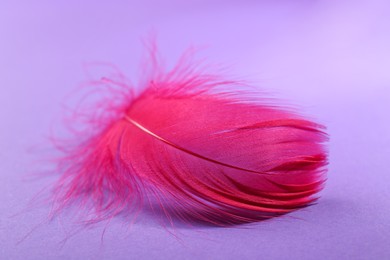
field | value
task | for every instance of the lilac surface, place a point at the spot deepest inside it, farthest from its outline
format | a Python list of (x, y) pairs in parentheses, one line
[(331, 57)]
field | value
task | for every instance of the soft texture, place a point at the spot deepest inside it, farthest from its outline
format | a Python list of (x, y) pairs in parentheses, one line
[(192, 146)]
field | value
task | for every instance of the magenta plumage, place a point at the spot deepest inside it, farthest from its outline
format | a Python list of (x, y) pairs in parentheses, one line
[(193, 145)]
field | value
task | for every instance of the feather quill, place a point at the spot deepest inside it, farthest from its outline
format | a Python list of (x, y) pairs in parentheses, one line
[(195, 145)]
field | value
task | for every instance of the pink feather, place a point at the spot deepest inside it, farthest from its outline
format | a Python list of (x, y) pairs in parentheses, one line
[(194, 145)]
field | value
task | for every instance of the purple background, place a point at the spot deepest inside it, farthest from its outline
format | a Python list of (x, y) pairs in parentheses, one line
[(331, 57)]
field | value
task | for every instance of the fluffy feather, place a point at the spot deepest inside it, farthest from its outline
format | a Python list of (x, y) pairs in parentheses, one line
[(194, 145)]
